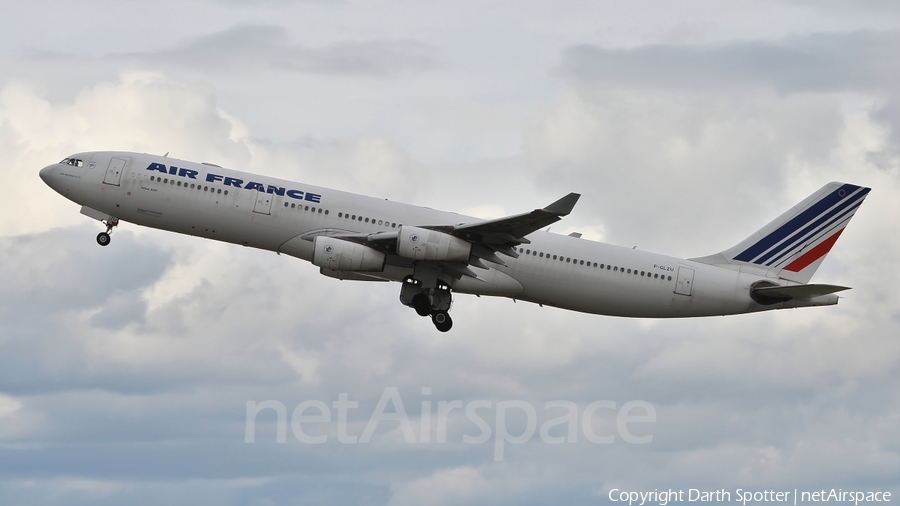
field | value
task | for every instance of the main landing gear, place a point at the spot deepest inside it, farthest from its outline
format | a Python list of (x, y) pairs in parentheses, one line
[(434, 302), (103, 237)]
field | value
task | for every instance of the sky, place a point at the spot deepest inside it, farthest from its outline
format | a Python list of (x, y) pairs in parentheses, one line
[(127, 373)]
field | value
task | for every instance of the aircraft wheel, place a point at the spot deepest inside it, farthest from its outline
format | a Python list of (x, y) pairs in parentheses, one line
[(442, 321), (103, 239), (421, 304)]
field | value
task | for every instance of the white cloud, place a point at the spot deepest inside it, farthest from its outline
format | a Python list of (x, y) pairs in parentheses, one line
[(8, 405)]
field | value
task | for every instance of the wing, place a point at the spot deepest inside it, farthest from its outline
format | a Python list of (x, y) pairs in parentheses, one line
[(488, 238), (513, 229)]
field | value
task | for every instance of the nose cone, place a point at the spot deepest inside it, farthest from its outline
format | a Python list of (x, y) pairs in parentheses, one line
[(47, 173)]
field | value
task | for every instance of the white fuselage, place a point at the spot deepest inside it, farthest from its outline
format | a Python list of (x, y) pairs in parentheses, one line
[(273, 214)]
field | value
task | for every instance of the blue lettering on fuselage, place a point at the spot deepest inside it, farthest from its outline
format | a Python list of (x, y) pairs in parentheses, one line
[(235, 182)]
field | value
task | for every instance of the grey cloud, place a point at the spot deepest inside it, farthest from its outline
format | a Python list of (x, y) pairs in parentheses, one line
[(857, 61), (247, 47), (634, 153), (37, 271)]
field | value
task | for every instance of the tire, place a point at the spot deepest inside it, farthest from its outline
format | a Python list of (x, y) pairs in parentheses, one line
[(103, 239), (442, 321), (421, 304)]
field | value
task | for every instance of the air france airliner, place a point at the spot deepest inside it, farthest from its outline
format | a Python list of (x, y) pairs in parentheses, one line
[(435, 253)]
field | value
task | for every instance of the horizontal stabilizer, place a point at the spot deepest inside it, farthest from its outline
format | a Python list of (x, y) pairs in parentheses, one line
[(784, 293)]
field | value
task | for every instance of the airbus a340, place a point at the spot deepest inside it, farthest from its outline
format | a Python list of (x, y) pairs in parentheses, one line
[(434, 253)]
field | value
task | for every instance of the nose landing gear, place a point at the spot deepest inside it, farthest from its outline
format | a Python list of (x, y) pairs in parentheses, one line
[(103, 237), (434, 302)]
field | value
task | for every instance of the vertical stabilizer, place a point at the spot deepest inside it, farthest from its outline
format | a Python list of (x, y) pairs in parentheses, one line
[(793, 245)]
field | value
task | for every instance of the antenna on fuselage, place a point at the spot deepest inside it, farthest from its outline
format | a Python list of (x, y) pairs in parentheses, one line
[(166, 155)]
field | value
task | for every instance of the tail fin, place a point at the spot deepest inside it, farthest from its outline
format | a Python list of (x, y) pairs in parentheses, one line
[(793, 245)]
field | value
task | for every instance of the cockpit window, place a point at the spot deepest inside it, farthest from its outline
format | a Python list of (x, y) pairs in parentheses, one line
[(73, 162)]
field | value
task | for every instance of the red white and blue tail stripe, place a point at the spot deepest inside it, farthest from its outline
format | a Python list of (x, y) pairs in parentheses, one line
[(793, 245)]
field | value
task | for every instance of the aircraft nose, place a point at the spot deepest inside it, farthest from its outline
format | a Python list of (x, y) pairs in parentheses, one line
[(47, 173)]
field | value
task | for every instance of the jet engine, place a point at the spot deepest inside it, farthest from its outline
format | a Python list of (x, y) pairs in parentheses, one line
[(338, 254), (423, 244)]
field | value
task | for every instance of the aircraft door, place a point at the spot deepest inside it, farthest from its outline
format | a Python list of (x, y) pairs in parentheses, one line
[(114, 171), (685, 281), (263, 203)]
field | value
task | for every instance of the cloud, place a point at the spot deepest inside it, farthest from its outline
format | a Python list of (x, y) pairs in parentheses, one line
[(852, 62), (249, 47), (700, 157), (819, 62)]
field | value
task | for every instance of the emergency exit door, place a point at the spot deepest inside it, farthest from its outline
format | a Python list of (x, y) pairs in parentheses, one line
[(263, 203), (685, 281), (114, 171)]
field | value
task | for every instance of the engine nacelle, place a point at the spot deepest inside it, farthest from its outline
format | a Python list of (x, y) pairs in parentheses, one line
[(423, 244), (341, 255)]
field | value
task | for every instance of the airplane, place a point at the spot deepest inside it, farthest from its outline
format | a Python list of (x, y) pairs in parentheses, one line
[(434, 253)]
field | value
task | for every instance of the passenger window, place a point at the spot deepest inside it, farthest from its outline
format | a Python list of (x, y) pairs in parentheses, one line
[(285, 204), (226, 192), (568, 259), (367, 220), (393, 225), (320, 210), (292, 205), (326, 211), (152, 178), (340, 215)]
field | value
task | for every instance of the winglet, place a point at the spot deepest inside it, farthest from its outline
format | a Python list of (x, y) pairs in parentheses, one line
[(564, 205)]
